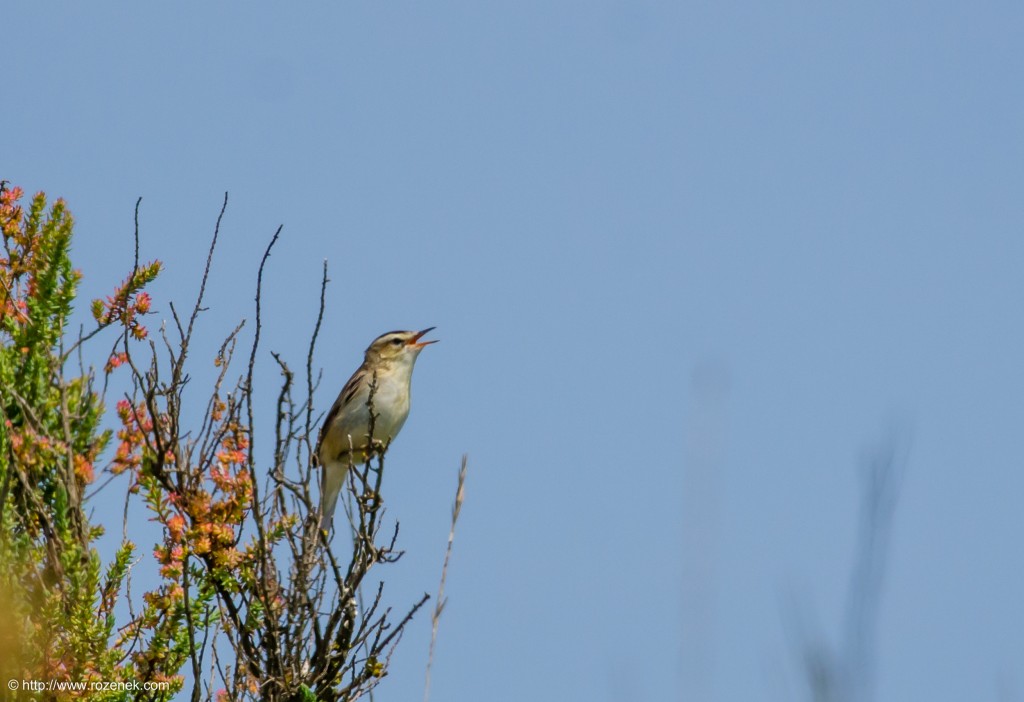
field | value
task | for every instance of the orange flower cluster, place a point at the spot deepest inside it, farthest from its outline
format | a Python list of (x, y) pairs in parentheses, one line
[(136, 425), (202, 519), (10, 211), (35, 451), (24, 254), (215, 513), (116, 360), (30, 448), (199, 499), (126, 305)]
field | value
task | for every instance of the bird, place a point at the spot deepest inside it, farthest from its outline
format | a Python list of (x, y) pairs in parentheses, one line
[(344, 435)]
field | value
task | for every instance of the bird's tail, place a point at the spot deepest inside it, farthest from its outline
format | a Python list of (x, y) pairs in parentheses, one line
[(333, 479)]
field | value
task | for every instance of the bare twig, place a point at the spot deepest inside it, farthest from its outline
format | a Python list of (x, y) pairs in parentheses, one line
[(435, 619), (309, 357), (846, 673), (202, 285)]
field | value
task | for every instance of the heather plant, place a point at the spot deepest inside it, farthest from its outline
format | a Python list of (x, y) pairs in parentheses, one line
[(246, 599), (57, 599)]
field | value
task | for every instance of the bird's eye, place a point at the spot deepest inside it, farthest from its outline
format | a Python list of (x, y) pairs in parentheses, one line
[(396, 342)]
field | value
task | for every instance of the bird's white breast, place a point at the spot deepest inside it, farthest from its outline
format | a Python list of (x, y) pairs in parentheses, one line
[(391, 405)]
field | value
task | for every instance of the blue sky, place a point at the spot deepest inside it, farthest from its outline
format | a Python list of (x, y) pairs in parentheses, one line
[(689, 261)]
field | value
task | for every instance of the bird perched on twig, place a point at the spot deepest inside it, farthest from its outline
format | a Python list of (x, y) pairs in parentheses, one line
[(344, 435)]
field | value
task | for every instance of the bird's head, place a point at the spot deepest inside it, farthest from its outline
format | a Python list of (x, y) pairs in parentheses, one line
[(398, 346)]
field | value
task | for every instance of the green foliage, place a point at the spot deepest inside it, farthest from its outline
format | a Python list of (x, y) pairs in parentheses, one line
[(57, 601)]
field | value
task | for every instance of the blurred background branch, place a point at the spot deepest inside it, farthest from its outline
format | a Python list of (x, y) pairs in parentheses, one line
[(846, 673)]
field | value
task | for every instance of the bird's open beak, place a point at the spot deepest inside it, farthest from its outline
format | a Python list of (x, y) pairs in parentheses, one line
[(415, 341)]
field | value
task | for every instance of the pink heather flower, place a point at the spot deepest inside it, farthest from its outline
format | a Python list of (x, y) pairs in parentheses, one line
[(9, 196), (116, 360), (84, 469), (176, 526)]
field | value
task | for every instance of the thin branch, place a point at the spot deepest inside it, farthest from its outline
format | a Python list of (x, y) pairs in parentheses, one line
[(135, 264), (309, 357), (460, 493), (256, 342), (845, 673), (206, 275), (271, 645)]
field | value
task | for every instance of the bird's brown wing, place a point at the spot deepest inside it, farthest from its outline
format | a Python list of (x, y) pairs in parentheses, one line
[(346, 396)]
